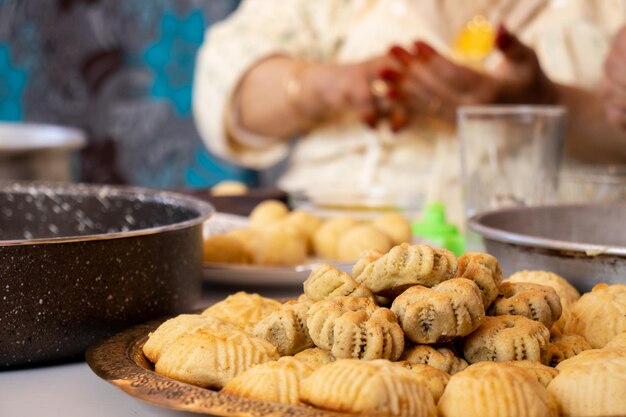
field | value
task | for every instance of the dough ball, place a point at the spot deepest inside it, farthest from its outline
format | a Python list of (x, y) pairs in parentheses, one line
[(360, 239)]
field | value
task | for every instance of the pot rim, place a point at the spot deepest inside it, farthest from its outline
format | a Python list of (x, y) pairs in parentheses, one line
[(477, 223), (203, 209), (18, 138)]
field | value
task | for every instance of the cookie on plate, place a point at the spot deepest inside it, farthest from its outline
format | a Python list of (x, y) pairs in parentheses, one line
[(225, 249), (451, 309), (495, 389), (376, 387), (563, 347), (277, 381), (534, 301), (485, 271), (507, 338), (599, 315), (315, 357), (326, 281), (242, 309), (440, 358), (169, 331), (326, 238), (355, 327), (405, 266), (396, 226), (568, 295), (268, 212), (211, 358), (592, 388), (286, 328), (435, 379)]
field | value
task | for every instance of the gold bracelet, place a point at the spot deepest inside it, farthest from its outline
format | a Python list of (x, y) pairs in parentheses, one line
[(293, 91)]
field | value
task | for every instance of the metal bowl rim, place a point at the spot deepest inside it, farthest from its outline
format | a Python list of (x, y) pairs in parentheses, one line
[(511, 110), (204, 209), (63, 137), (500, 235)]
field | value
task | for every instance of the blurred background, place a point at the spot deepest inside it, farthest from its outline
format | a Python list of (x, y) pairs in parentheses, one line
[(122, 71)]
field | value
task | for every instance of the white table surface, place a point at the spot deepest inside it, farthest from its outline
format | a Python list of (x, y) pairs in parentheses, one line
[(73, 390)]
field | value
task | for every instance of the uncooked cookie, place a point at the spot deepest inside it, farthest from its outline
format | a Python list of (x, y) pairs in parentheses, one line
[(268, 212), (326, 238), (395, 226), (359, 239)]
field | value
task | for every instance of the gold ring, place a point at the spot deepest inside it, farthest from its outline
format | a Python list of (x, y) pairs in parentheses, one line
[(379, 88)]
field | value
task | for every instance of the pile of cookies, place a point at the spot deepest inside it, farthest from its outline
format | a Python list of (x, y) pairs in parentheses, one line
[(412, 332), (277, 236)]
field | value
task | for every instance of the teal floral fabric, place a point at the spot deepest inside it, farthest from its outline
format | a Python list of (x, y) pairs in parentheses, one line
[(122, 71)]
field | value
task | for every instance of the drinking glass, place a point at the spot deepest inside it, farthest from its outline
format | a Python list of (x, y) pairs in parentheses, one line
[(510, 155)]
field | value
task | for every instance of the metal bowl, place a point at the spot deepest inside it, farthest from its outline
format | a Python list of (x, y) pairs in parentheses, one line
[(30, 151), (584, 243), (78, 263)]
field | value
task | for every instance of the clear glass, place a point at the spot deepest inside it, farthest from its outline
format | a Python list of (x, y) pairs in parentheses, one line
[(592, 184), (510, 155)]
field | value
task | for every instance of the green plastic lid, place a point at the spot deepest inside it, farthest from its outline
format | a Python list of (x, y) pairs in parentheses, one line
[(434, 228)]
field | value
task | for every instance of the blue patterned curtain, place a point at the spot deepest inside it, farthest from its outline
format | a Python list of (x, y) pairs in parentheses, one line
[(122, 70)]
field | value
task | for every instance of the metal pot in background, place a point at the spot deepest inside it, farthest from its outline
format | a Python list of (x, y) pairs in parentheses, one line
[(585, 243), (79, 263), (30, 151)]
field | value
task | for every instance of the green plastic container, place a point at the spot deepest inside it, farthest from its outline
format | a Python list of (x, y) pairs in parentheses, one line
[(434, 228)]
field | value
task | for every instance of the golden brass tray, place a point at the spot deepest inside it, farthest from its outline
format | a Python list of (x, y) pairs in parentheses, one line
[(119, 360)]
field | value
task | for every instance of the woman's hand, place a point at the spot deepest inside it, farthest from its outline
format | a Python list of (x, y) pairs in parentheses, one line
[(329, 89), (435, 86), (614, 83)]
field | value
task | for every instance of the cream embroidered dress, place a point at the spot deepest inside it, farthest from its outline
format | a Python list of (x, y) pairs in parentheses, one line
[(571, 38)]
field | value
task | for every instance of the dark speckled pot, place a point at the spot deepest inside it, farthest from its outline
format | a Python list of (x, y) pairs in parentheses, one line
[(78, 263)]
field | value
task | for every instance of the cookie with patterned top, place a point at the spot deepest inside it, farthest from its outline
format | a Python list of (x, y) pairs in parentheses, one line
[(534, 301)]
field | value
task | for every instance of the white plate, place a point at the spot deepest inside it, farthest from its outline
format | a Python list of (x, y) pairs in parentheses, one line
[(256, 275)]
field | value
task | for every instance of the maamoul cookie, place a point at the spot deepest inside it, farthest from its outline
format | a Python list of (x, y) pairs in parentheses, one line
[(395, 226), (354, 327), (484, 270), (368, 388), (407, 265), (279, 244), (169, 331), (225, 249), (211, 358), (285, 328), (326, 238), (268, 212), (306, 223), (537, 302), (243, 309), (591, 355), (566, 292), (315, 357), (542, 373), (448, 310), (359, 239), (440, 358), (564, 347), (507, 338), (277, 381), (494, 389), (618, 341), (599, 315), (435, 379), (365, 259), (326, 281), (594, 388)]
